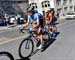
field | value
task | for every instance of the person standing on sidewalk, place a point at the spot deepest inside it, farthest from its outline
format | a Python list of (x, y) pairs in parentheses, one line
[(7, 19), (18, 16)]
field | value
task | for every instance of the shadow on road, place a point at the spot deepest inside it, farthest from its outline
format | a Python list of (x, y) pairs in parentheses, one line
[(49, 42), (57, 33), (24, 59), (35, 52), (46, 45)]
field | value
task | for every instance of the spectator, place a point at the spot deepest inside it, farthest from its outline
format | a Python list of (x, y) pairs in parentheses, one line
[(18, 16), (6, 18), (4, 21)]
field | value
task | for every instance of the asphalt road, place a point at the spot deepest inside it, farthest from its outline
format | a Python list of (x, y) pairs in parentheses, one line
[(63, 48)]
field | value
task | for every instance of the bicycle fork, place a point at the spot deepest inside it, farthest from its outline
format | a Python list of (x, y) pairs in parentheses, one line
[(27, 44)]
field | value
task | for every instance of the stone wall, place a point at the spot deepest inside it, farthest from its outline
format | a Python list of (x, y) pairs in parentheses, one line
[(13, 6)]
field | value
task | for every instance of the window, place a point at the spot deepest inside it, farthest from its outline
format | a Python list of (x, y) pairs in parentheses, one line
[(65, 2), (48, 5), (59, 10), (65, 9), (70, 1), (33, 5), (74, 8), (48, 1), (42, 3), (30, 5), (71, 7), (45, 4), (58, 2), (42, 6)]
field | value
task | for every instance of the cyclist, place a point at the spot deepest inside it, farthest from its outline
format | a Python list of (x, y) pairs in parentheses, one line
[(36, 22), (50, 22)]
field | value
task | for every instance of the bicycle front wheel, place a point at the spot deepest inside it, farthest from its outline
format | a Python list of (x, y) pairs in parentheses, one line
[(26, 48), (6, 56)]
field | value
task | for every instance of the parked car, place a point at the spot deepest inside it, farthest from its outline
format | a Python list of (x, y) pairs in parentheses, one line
[(70, 16), (3, 22), (21, 20), (12, 19)]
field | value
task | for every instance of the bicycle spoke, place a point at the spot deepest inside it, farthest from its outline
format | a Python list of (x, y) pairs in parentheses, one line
[(27, 45)]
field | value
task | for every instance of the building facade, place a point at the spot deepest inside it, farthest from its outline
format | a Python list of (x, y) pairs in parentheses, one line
[(60, 6), (13, 6), (65, 6), (42, 5)]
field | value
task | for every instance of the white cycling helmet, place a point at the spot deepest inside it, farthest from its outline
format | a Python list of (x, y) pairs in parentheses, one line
[(30, 9)]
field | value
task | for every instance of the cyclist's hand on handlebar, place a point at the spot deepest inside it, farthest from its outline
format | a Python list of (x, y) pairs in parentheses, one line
[(21, 29)]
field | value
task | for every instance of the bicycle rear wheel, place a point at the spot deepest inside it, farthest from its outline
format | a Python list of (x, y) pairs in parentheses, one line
[(26, 48), (46, 35), (55, 29), (6, 56)]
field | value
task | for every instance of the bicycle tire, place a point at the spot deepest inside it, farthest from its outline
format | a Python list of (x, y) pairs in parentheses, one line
[(20, 54), (7, 54), (46, 32)]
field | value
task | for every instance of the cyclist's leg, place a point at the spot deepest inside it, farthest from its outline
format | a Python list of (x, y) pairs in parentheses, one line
[(41, 37), (53, 31), (40, 34), (50, 28)]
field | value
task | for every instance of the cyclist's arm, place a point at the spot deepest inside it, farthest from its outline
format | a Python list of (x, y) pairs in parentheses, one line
[(37, 22), (26, 24), (50, 18), (36, 25)]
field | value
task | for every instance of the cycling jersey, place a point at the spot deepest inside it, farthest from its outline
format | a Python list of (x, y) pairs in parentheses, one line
[(35, 18), (50, 15)]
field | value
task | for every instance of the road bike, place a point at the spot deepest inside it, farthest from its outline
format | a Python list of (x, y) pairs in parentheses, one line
[(6, 56), (26, 47)]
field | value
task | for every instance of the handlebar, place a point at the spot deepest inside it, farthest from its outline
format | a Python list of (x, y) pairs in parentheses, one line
[(23, 30)]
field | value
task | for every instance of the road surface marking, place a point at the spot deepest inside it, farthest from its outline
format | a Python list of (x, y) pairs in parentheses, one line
[(12, 39)]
